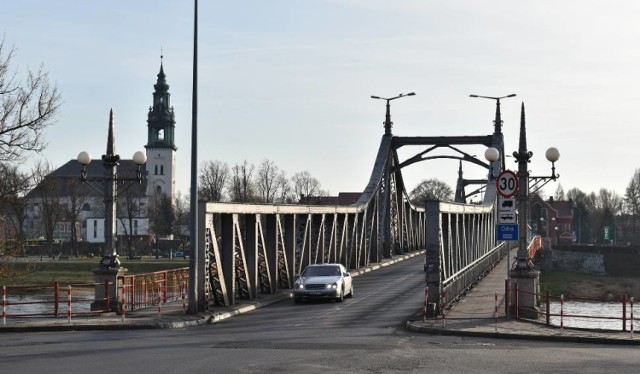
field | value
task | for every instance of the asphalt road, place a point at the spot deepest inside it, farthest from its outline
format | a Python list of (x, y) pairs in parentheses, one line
[(363, 334)]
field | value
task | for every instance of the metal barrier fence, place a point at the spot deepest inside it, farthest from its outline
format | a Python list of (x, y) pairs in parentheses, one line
[(153, 289), (562, 311), (52, 300)]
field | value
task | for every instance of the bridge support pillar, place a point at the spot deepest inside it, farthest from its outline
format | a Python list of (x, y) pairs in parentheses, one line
[(108, 276), (524, 289)]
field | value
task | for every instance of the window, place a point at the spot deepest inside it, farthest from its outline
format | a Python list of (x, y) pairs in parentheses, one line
[(161, 134), (161, 169), (156, 172), (95, 229), (158, 190), (135, 227), (86, 207)]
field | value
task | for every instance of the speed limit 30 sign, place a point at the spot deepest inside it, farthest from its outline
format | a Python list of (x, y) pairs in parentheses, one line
[(507, 183)]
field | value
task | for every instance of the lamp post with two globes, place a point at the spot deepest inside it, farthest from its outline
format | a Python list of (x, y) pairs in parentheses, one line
[(523, 272), (107, 186)]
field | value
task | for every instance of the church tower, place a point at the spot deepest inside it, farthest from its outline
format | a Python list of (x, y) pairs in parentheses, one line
[(161, 149)]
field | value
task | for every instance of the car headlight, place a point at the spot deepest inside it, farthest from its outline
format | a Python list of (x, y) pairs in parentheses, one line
[(333, 285), (298, 285)]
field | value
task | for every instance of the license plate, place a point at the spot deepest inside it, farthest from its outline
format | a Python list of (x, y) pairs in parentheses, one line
[(316, 293)]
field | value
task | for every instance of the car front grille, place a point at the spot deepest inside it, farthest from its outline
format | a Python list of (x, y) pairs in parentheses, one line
[(315, 286)]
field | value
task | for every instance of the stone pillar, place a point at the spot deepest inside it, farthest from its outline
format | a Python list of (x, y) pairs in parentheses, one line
[(110, 275), (528, 282)]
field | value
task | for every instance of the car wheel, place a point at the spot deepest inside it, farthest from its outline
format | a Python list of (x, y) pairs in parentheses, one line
[(341, 297)]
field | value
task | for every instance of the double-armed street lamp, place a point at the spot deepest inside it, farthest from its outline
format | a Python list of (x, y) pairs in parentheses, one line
[(387, 120), (107, 186), (523, 157), (497, 125)]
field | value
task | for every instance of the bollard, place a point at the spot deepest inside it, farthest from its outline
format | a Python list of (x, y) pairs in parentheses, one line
[(624, 312), (443, 303), (56, 300), (159, 300), (495, 312), (124, 302), (631, 307), (561, 313), (4, 305), (184, 299), (426, 298), (69, 303)]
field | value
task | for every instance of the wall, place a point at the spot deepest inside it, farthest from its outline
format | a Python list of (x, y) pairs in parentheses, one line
[(600, 260)]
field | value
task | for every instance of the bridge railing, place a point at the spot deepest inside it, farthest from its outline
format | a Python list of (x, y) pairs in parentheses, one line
[(251, 248), (461, 249)]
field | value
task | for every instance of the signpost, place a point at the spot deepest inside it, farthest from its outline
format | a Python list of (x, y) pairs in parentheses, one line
[(507, 183)]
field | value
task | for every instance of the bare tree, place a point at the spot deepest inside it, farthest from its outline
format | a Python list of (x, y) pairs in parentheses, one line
[(27, 108), (430, 189), (304, 184), (181, 210), (631, 208), (242, 184), (285, 190), (46, 193), (76, 200), (267, 181), (128, 210), (559, 195), (213, 179), (13, 206)]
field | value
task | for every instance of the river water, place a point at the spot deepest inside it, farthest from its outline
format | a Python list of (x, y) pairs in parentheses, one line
[(593, 315), (43, 303)]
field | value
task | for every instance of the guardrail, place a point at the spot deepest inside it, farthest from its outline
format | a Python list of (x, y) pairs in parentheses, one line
[(153, 289), (52, 300), (565, 311)]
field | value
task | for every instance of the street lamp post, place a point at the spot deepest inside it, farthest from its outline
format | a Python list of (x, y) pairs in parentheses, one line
[(497, 124), (524, 273), (107, 186), (387, 120)]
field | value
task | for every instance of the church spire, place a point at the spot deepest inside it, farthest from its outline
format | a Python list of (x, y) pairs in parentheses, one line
[(161, 119)]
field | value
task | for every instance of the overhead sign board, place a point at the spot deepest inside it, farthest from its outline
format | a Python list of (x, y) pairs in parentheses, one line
[(507, 232), (507, 183)]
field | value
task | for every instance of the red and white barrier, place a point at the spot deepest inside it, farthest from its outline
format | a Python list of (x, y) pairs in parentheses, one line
[(561, 312), (4, 305), (69, 303), (495, 312), (631, 305), (124, 301)]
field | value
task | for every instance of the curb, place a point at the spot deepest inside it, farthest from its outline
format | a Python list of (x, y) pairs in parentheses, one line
[(522, 336)]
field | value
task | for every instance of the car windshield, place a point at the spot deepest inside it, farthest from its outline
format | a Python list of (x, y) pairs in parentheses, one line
[(321, 271)]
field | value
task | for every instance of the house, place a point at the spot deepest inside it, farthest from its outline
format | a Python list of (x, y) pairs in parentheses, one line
[(552, 219)]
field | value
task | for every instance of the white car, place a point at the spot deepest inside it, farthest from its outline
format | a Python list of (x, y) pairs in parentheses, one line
[(323, 281)]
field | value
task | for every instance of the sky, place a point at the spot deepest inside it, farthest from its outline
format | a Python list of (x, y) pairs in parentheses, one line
[(290, 81)]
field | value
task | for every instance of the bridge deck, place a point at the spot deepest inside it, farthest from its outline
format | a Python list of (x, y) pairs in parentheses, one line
[(479, 302)]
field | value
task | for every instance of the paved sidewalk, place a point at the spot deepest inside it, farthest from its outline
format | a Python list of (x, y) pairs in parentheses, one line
[(474, 315)]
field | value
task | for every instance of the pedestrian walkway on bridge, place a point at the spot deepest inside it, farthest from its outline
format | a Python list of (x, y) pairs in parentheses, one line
[(473, 315)]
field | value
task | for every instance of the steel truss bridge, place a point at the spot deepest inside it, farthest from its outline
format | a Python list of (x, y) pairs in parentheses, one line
[(245, 249)]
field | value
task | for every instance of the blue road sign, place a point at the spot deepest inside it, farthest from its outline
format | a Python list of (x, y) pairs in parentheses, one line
[(507, 231)]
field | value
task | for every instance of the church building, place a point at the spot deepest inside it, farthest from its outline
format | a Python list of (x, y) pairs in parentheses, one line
[(78, 208)]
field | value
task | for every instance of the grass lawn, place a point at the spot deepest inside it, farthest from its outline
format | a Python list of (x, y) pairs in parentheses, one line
[(34, 272)]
